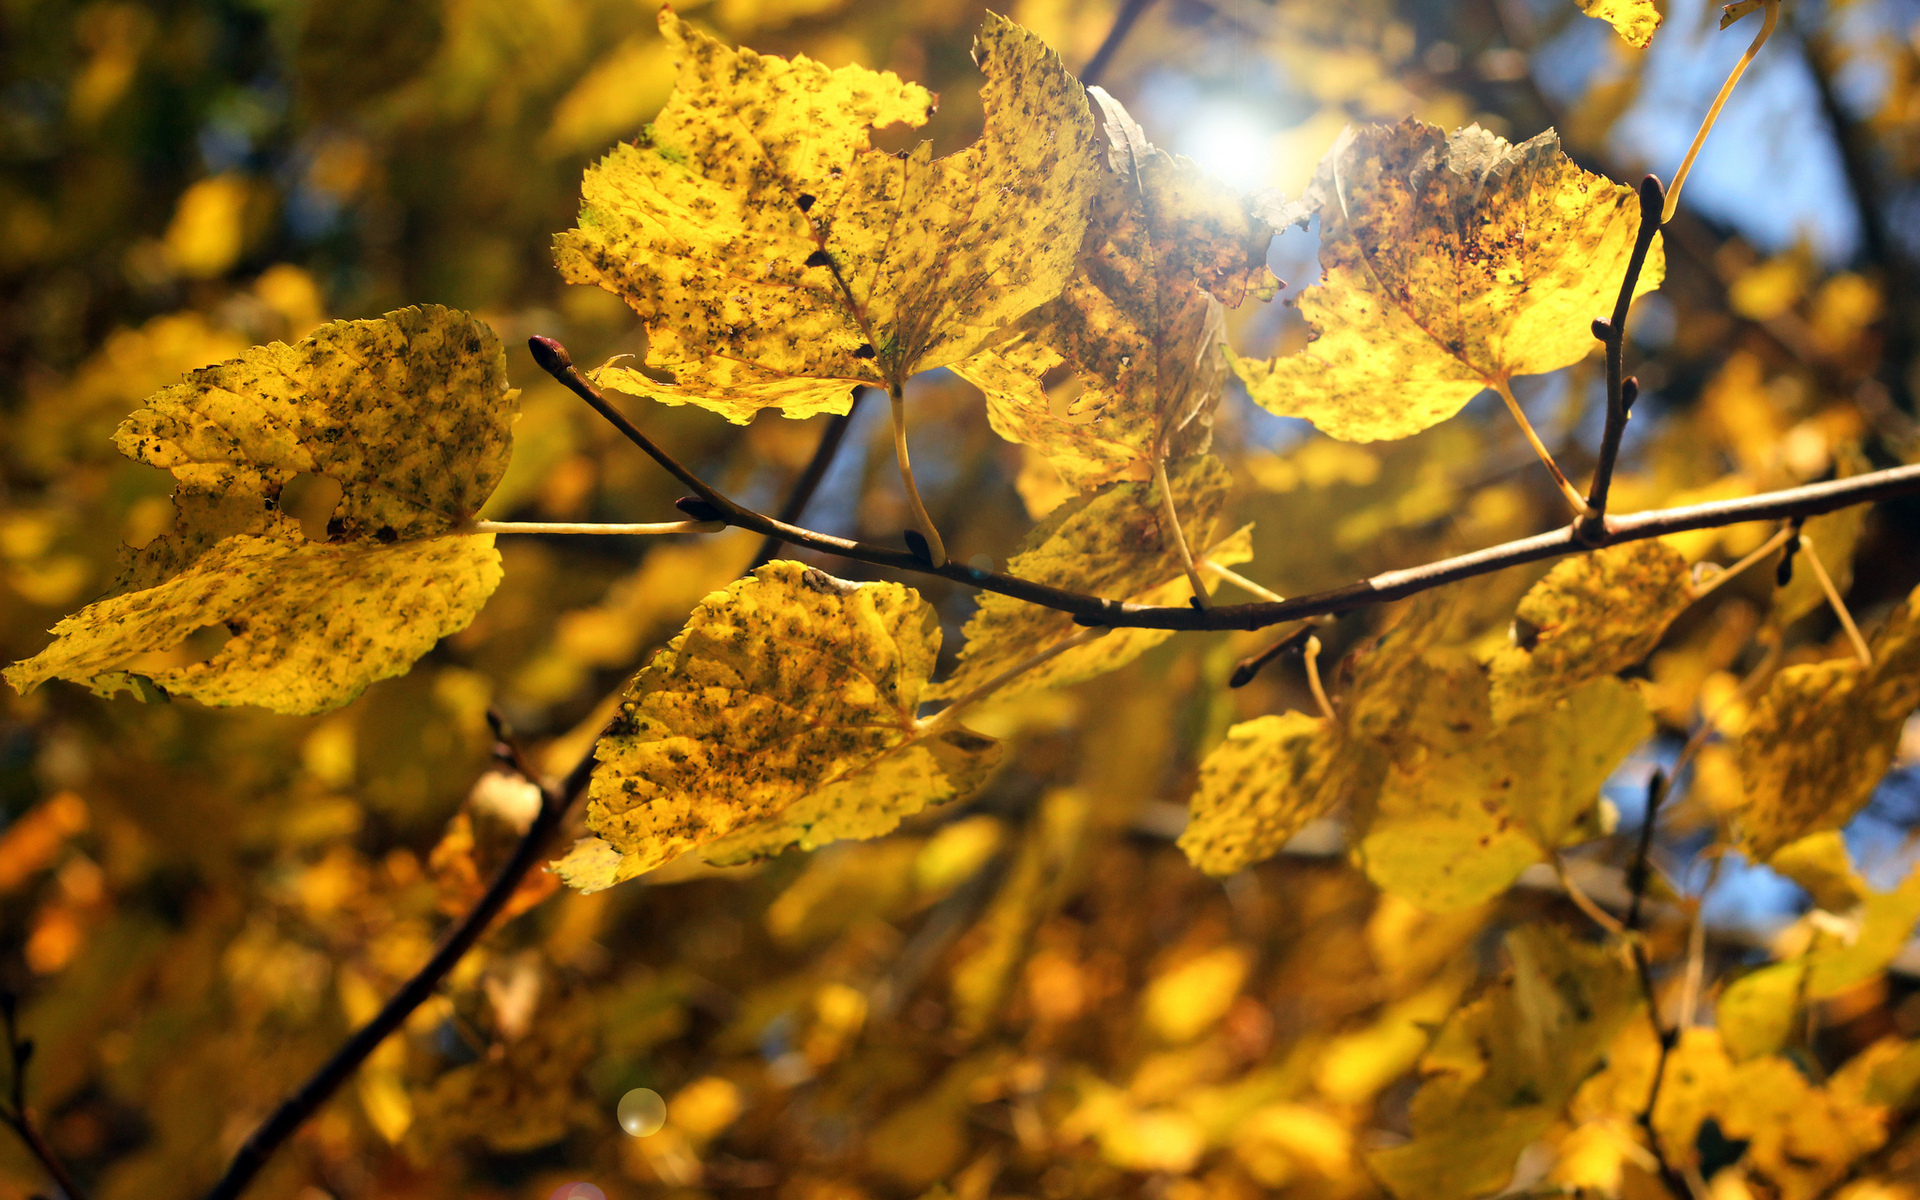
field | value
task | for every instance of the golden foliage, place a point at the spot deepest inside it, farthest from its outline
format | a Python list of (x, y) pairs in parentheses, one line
[(1453, 263)]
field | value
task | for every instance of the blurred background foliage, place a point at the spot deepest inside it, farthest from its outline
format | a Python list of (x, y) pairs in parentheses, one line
[(1029, 993)]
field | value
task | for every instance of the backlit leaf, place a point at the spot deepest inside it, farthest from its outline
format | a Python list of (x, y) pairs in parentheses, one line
[(783, 714), (1453, 830), (1594, 615), (1452, 263), (1822, 736), (411, 416), (1633, 20), (777, 258), (1138, 329)]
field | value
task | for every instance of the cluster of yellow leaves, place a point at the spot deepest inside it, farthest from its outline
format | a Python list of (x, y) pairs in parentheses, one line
[(777, 258), (410, 415), (1457, 774)]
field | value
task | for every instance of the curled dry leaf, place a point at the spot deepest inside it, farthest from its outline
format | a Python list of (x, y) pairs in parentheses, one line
[(777, 258), (1453, 263), (783, 714), (410, 414)]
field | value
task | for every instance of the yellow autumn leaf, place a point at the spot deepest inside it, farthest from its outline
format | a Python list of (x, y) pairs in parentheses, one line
[(777, 258), (409, 414), (1453, 263), (1453, 830), (1633, 20), (1801, 1137), (1258, 788), (1822, 736), (1693, 1087), (1106, 543), (1273, 774), (783, 714), (1137, 331), (1821, 864), (1503, 1068), (1594, 615)]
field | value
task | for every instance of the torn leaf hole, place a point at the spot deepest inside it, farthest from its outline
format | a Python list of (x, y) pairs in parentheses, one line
[(312, 500)]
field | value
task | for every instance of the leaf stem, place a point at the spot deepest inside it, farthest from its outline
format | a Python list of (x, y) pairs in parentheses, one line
[(591, 527), (1833, 599), (1242, 582), (1170, 520), (1312, 656), (1585, 903), (454, 944), (1574, 498), (1767, 24), (936, 550), (1779, 539)]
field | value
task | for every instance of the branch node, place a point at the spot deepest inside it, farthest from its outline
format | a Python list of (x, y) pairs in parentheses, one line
[(699, 509), (1602, 329), (917, 546)]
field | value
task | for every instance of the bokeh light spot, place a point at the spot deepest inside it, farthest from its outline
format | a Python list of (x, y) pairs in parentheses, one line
[(642, 1112), (577, 1191)]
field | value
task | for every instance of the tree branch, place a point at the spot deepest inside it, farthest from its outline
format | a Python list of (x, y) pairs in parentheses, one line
[(294, 1111), (809, 481), (1123, 21), (1806, 501), (18, 1117), (1621, 391)]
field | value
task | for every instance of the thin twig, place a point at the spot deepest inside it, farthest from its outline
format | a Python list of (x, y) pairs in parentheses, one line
[(1638, 877), (1250, 666), (294, 1111), (803, 488), (18, 1117), (1810, 500), (1612, 333), (1123, 22)]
